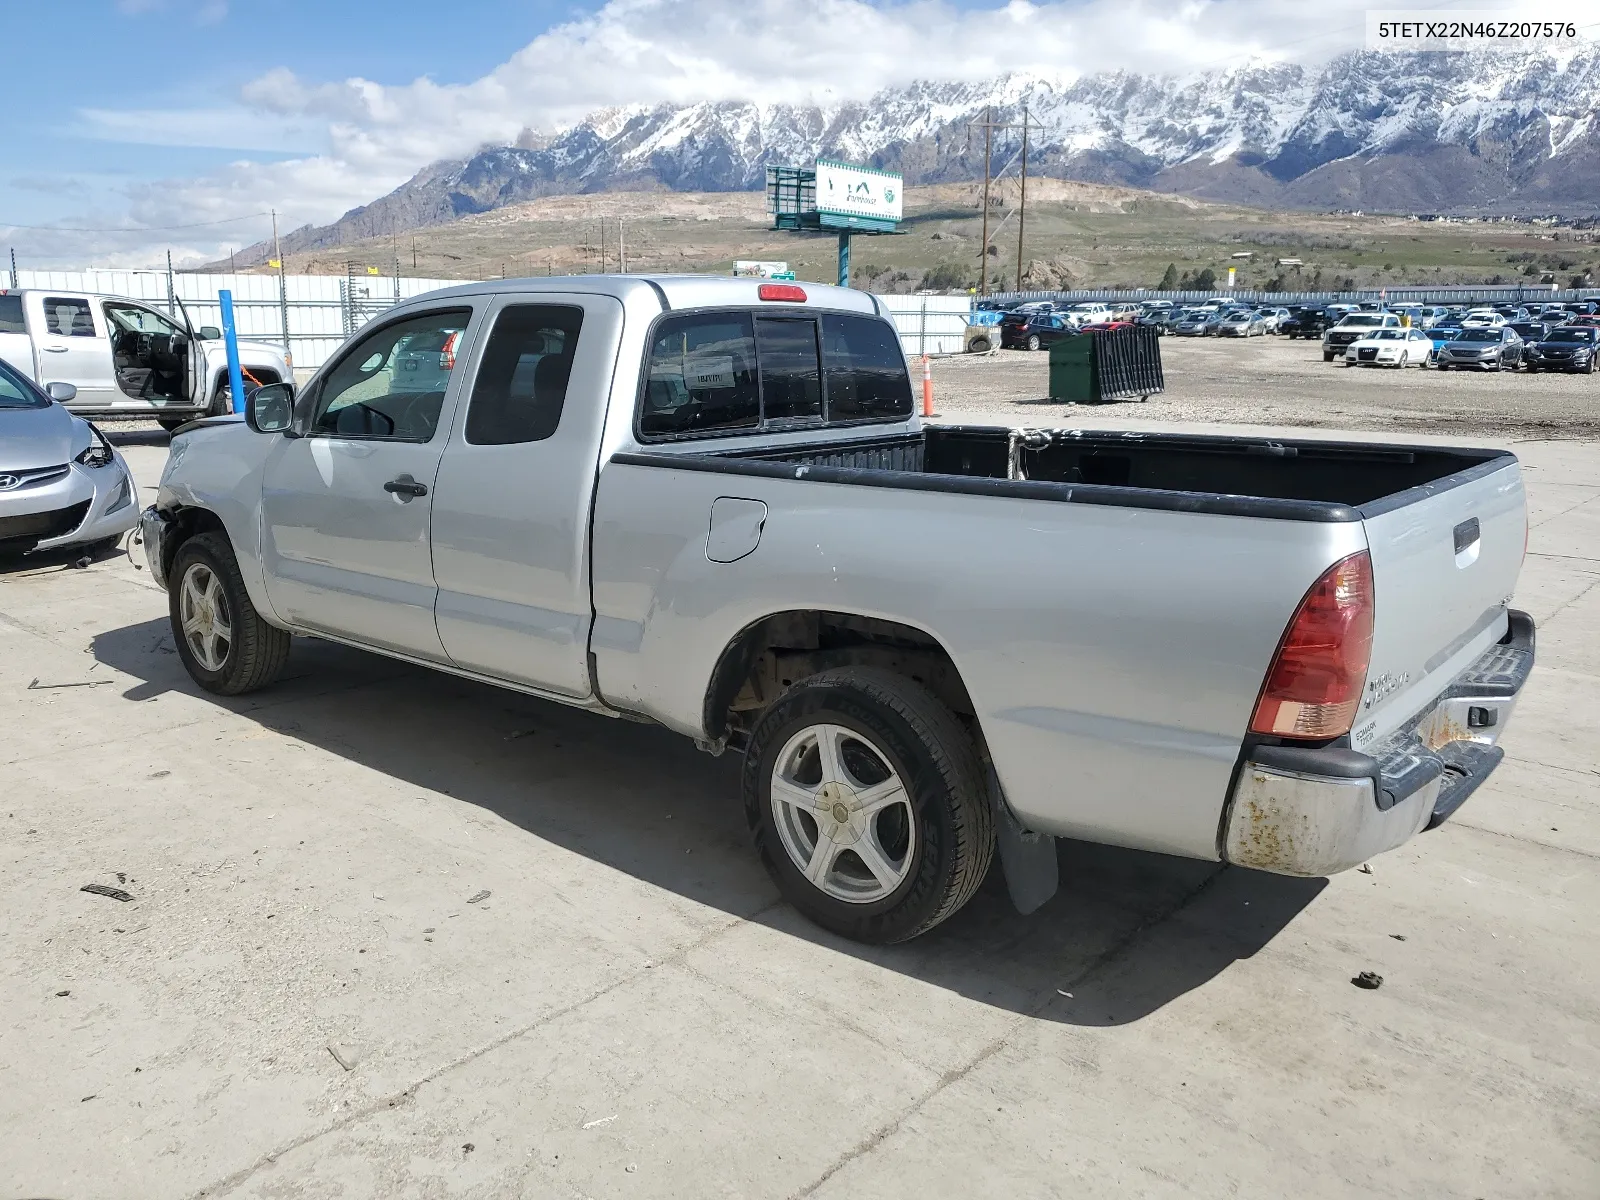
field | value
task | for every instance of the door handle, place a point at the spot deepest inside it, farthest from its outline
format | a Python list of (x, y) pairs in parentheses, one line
[(54, 349), (406, 487)]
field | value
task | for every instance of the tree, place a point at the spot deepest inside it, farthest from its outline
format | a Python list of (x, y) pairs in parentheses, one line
[(1169, 281), (1205, 281), (1275, 284)]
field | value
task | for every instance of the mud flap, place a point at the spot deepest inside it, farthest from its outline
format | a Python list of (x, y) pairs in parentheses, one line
[(1029, 859)]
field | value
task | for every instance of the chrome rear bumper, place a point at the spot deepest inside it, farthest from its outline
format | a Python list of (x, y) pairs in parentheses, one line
[(1304, 811)]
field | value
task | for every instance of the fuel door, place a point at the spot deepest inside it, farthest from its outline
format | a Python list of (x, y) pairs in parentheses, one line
[(735, 528)]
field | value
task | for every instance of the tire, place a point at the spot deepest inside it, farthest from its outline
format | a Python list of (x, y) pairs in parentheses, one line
[(978, 345), (1327, 356), (1589, 368), (943, 829), (255, 651), (1033, 341)]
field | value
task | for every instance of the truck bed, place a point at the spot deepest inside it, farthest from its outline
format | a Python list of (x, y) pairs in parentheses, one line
[(1295, 480)]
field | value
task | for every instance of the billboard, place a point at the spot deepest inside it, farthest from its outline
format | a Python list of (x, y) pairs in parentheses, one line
[(758, 269), (846, 191)]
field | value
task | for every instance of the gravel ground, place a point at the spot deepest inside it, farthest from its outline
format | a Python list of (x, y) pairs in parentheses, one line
[(1275, 381)]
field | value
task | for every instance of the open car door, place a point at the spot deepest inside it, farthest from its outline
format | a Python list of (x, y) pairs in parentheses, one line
[(194, 360)]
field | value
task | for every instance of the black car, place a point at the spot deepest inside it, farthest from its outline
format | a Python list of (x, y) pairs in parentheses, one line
[(1565, 348), (1306, 323), (1531, 331), (1483, 349), (1034, 331)]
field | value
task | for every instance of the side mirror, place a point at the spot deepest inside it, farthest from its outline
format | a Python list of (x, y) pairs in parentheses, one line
[(208, 333), (61, 391), (270, 409)]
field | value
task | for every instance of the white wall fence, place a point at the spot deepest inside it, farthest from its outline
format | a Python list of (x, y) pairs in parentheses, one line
[(319, 311)]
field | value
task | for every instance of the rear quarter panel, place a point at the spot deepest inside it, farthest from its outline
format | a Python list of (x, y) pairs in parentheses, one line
[(1113, 655)]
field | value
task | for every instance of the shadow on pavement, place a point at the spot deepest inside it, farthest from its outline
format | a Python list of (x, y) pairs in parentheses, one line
[(1128, 933)]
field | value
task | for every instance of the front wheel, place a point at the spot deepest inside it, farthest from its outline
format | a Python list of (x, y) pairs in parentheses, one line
[(1327, 356), (1033, 341), (867, 804), (225, 645)]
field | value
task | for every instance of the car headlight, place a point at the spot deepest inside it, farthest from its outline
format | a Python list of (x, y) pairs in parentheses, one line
[(98, 453)]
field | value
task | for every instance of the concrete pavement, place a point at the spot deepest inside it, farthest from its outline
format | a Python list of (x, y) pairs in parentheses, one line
[(632, 1012)]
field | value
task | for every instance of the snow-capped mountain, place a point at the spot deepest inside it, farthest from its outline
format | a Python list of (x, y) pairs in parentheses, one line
[(1377, 131)]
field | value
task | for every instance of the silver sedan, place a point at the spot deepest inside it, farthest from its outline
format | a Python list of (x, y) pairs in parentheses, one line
[(61, 482)]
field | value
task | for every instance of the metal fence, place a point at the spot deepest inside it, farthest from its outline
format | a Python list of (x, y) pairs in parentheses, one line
[(1450, 294), (310, 315)]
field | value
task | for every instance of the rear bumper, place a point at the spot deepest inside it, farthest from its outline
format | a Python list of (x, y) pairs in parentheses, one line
[(153, 532), (1303, 811)]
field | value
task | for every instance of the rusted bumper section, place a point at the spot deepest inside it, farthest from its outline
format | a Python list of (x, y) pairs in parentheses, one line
[(153, 531), (1304, 811)]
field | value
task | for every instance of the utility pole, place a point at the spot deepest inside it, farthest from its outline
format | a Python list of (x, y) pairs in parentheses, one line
[(622, 252), (14, 266), (283, 288), (602, 244), (983, 251), (1022, 203), (413, 252)]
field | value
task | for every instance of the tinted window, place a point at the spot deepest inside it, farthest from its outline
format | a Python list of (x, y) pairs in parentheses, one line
[(866, 369), (791, 373), (11, 315), (702, 376), (392, 382), (1571, 335), (68, 318), (522, 381), (17, 392)]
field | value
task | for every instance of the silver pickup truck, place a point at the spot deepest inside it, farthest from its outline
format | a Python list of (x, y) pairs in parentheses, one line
[(709, 504)]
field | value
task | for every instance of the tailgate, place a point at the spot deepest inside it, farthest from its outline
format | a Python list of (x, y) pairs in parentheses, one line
[(1445, 559)]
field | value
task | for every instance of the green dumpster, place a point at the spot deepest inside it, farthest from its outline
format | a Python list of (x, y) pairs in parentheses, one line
[(1072, 369)]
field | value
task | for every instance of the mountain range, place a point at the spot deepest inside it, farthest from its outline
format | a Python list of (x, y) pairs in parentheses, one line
[(1383, 132)]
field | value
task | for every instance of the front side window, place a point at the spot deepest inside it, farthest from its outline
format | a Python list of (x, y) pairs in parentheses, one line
[(702, 376), (865, 369), (391, 384), (130, 318), (67, 317), (522, 382)]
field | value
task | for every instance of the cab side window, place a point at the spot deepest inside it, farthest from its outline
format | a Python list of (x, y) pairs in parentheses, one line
[(66, 317), (701, 376), (391, 384), (522, 381)]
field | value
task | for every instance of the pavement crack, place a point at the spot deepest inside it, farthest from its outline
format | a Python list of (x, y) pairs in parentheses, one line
[(957, 1073), (1527, 841), (409, 1093)]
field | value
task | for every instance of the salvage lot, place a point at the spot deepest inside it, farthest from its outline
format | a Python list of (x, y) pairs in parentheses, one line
[(631, 1012)]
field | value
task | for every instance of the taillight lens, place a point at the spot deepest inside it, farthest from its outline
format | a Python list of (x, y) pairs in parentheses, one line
[(1314, 686), (788, 293), (447, 356)]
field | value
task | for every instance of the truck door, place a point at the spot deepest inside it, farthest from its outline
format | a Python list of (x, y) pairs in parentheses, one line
[(346, 508), (74, 347), (511, 510)]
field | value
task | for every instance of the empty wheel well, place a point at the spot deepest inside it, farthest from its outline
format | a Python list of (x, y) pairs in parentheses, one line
[(186, 523), (776, 652)]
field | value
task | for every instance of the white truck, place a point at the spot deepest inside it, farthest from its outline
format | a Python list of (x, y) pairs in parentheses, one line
[(125, 357)]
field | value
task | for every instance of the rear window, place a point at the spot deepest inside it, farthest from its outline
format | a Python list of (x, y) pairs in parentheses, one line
[(11, 315), (720, 372), (66, 317)]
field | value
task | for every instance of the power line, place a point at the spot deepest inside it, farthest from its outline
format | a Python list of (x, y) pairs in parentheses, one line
[(137, 228)]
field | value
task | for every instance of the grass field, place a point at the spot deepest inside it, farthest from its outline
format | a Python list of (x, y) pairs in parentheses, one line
[(1077, 235)]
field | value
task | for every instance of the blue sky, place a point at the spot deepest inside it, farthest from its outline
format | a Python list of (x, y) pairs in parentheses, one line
[(151, 114)]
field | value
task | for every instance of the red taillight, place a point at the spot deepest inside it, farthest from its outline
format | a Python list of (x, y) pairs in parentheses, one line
[(1314, 686), (786, 292), (447, 356)]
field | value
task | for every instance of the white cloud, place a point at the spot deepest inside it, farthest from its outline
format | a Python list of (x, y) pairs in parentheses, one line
[(369, 137)]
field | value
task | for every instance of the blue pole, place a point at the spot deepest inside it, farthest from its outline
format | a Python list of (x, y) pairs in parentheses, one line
[(230, 339), (844, 258)]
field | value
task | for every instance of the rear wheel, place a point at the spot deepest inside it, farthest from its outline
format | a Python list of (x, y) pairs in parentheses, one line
[(1033, 341), (225, 645), (1327, 356), (867, 804)]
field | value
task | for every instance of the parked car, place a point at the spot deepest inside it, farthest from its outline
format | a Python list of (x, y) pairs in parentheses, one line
[(1390, 348), (1352, 328), (1239, 322), (1159, 319), (1088, 311), (61, 482), (1273, 318), (1483, 347), (1438, 336), (1194, 323), (1035, 331), (1104, 326), (1530, 331), (1483, 318), (652, 521), (1565, 348), (125, 358), (1309, 322)]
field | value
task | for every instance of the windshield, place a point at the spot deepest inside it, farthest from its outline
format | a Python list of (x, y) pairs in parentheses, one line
[(17, 392), (1388, 335), (1444, 334), (1363, 321), (1479, 335), (1571, 335)]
